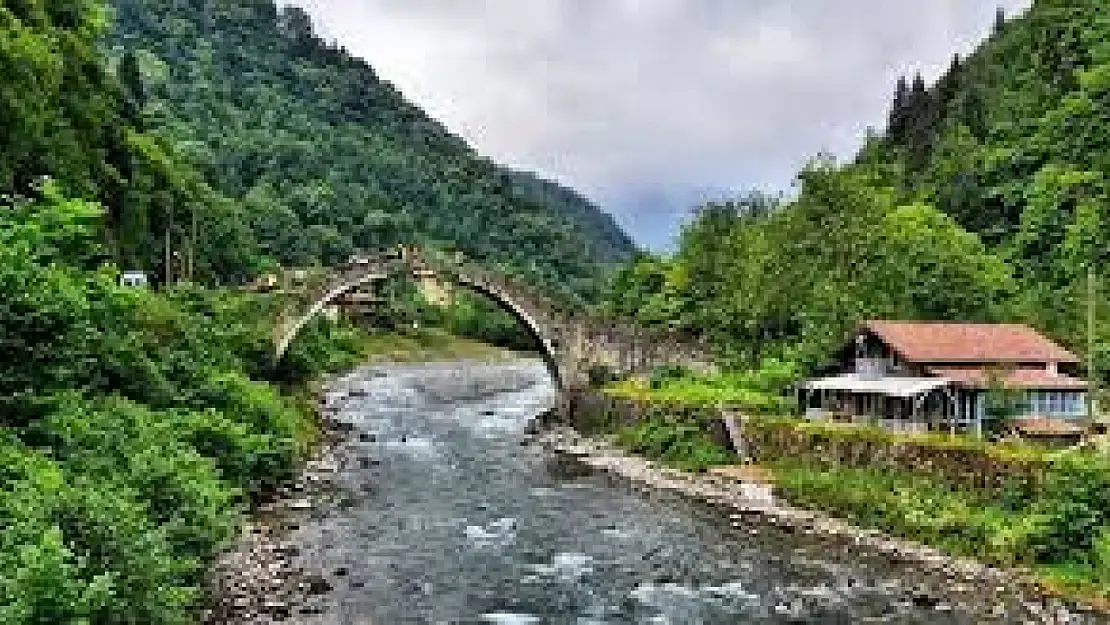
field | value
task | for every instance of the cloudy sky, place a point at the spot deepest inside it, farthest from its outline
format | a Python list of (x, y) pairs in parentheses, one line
[(646, 106)]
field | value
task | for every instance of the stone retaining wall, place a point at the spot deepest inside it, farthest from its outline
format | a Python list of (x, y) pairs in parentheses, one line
[(964, 464)]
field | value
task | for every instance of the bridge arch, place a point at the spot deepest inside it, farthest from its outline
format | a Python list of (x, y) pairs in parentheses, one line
[(548, 344), (543, 336)]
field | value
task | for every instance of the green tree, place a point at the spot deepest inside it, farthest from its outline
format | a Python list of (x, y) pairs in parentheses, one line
[(1002, 404)]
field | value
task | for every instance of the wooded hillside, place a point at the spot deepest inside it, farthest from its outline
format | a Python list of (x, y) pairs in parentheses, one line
[(984, 198), (136, 426), (323, 156)]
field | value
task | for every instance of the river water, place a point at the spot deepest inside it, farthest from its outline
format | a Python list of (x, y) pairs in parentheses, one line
[(453, 517)]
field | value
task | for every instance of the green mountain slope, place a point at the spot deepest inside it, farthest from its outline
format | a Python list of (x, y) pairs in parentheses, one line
[(985, 198), (135, 426), (616, 245), (1013, 143), (327, 157)]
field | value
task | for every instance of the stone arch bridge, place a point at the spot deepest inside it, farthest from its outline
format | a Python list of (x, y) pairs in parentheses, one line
[(571, 341)]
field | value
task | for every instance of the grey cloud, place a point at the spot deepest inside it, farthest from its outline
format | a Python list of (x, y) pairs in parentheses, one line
[(634, 99)]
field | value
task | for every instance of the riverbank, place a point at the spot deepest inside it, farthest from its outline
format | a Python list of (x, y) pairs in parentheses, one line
[(750, 500), (440, 507), (430, 345), (256, 580)]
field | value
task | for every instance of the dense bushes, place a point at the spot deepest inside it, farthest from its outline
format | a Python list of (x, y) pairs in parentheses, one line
[(134, 427), (477, 317), (1009, 504), (113, 509), (681, 442), (917, 507), (81, 546), (1063, 523), (682, 435), (1043, 507), (758, 391)]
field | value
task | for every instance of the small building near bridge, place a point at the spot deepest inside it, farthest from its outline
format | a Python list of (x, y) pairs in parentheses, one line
[(918, 377), (134, 279)]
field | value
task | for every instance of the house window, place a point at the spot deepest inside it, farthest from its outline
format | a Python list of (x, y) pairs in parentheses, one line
[(1056, 404), (1076, 404)]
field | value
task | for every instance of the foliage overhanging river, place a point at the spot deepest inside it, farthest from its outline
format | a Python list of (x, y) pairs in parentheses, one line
[(453, 517)]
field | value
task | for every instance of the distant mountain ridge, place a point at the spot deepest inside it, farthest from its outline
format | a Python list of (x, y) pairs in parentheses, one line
[(327, 157), (581, 210)]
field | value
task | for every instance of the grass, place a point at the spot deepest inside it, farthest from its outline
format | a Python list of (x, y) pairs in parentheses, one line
[(734, 389), (427, 344), (683, 444), (913, 506)]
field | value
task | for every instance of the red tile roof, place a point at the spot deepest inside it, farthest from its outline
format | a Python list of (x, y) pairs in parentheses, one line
[(1017, 378), (941, 342)]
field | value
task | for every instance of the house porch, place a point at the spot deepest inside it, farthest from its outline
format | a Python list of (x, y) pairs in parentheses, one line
[(907, 405)]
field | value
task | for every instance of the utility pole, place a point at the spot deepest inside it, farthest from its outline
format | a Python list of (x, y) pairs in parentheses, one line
[(191, 257), (1091, 384), (168, 260)]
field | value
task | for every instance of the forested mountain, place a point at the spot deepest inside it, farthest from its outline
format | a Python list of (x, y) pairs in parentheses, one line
[(1013, 143), (135, 426), (615, 244), (984, 198), (324, 156)]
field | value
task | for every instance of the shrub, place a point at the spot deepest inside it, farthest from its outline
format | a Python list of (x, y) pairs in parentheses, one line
[(41, 580), (599, 375), (116, 440), (668, 373), (114, 538), (84, 550), (1075, 501), (1010, 472), (698, 391), (252, 462), (260, 407), (680, 442), (1100, 554), (320, 347)]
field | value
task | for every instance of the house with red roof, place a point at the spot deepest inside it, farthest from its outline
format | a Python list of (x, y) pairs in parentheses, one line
[(916, 376)]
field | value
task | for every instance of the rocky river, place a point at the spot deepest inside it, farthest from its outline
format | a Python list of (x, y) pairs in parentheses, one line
[(442, 508)]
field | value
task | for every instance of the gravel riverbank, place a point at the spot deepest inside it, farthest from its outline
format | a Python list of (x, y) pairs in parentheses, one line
[(753, 503), (255, 581)]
